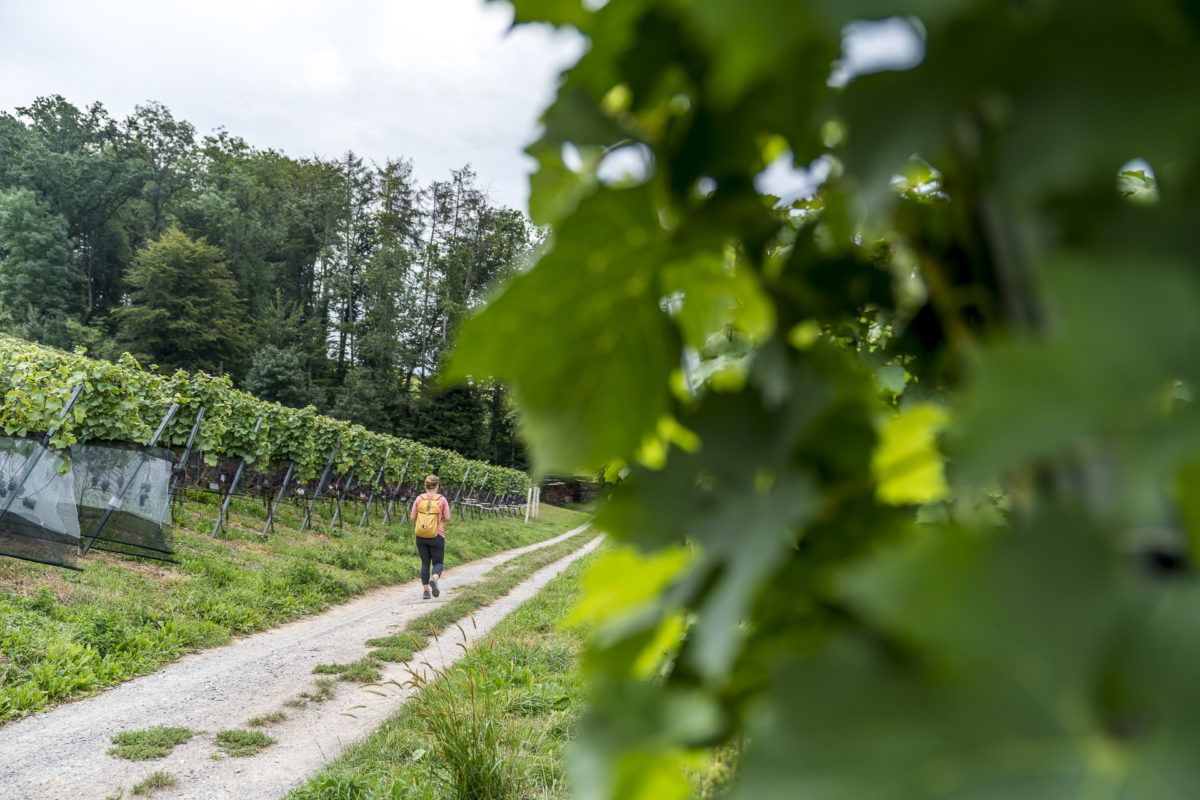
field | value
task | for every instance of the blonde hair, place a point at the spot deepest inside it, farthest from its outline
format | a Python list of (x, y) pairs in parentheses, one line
[(431, 483)]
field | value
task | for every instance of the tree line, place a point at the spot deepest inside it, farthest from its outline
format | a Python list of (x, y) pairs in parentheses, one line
[(332, 282)]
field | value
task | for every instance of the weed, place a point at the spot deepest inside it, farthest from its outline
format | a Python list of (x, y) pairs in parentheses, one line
[(402, 653), (266, 719), (149, 744), (153, 782), (362, 671), (44, 602), (330, 669), (240, 743), (323, 691), (469, 731)]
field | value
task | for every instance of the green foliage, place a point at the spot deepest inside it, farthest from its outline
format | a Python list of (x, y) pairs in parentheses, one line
[(37, 269), (150, 743), (185, 311), (277, 375), (984, 271)]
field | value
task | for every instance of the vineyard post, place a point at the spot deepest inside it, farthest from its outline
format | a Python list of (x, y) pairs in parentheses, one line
[(237, 476), (320, 484), (475, 509), (458, 494), (477, 502), (374, 485), (337, 512), (387, 514), (115, 502), (462, 514), (286, 480), (187, 450), (37, 456)]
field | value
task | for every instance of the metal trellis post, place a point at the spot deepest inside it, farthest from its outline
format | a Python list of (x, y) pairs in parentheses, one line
[(337, 512), (274, 506), (461, 484), (374, 485), (237, 476), (387, 515), (320, 485), (187, 450)]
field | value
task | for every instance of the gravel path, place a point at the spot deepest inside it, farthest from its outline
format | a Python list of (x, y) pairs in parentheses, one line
[(61, 754)]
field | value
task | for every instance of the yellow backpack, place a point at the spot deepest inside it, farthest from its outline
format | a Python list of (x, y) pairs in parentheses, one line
[(429, 512)]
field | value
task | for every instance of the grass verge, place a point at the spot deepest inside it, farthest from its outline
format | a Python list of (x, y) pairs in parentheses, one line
[(494, 726), (64, 635)]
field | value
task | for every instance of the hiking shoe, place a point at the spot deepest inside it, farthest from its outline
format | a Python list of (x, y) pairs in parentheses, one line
[(433, 586), (426, 595)]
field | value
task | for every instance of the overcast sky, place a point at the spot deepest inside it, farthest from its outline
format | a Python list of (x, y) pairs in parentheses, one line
[(443, 82)]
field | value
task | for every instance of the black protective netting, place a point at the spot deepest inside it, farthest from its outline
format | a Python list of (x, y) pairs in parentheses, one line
[(38, 518), (133, 483)]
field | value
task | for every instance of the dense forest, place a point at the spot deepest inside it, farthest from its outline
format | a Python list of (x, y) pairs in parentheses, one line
[(335, 283)]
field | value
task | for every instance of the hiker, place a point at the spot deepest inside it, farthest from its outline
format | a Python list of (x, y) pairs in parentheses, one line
[(430, 511)]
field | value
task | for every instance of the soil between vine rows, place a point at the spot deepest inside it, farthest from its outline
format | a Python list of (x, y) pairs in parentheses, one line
[(62, 753)]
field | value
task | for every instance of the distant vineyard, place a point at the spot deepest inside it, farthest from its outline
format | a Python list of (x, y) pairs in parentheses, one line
[(125, 402)]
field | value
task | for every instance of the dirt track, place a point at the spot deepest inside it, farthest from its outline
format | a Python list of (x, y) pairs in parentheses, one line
[(61, 754)]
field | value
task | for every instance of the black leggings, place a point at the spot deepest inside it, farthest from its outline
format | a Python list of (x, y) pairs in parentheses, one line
[(431, 551)]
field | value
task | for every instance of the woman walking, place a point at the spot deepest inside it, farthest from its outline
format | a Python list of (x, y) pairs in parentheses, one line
[(431, 512)]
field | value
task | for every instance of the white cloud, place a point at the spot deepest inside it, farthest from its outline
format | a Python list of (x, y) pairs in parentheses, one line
[(442, 83)]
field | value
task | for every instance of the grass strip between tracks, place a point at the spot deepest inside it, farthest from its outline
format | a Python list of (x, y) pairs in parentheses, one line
[(495, 725)]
